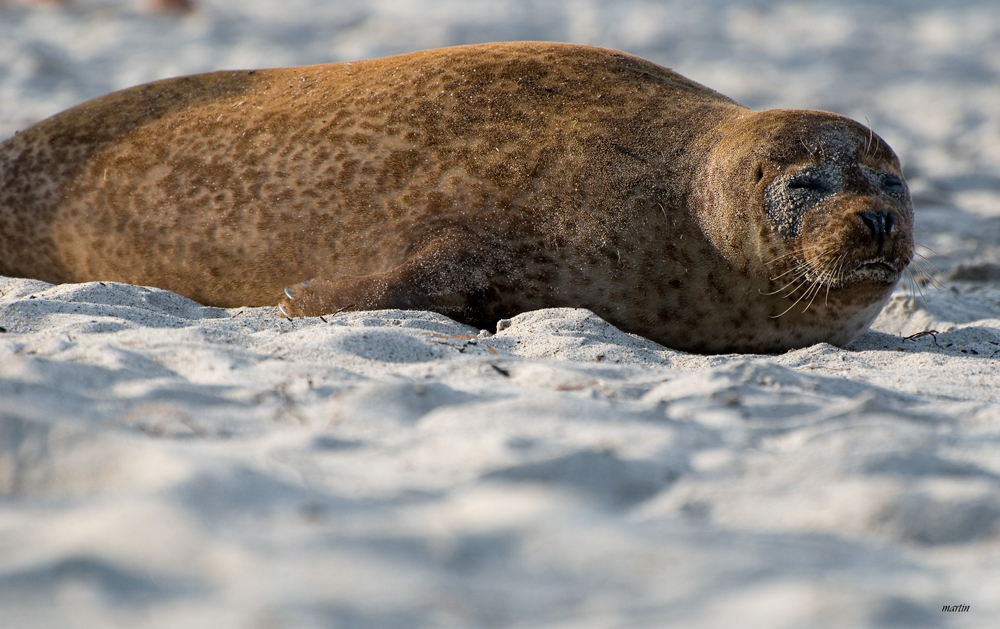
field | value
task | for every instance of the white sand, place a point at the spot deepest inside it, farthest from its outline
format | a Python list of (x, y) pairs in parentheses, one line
[(163, 464)]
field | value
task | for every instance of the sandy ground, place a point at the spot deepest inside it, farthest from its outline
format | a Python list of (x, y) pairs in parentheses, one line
[(163, 464)]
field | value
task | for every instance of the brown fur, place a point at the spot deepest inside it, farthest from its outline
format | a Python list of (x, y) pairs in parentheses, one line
[(477, 181)]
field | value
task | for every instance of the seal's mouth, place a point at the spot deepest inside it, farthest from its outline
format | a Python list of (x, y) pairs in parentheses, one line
[(879, 270)]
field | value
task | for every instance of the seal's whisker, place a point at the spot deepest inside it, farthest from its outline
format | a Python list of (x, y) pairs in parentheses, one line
[(812, 286), (923, 273), (792, 285), (777, 258), (835, 276), (921, 266), (801, 273), (791, 270), (814, 289), (916, 286), (824, 278), (795, 303), (840, 278), (840, 267), (816, 251), (927, 260), (805, 281), (811, 251), (791, 288), (828, 277), (918, 270)]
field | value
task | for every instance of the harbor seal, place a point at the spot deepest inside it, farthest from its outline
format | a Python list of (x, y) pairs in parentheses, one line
[(476, 181)]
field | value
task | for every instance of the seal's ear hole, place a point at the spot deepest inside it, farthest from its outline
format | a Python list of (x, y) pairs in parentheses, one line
[(760, 173)]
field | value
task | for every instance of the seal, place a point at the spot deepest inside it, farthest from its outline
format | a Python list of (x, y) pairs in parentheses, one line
[(475, 181)]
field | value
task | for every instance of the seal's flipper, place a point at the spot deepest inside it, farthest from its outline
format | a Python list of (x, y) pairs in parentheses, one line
[(440, 278)]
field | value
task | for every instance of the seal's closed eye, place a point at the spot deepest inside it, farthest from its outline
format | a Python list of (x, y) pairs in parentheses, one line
[(808, 182), (892, 183)]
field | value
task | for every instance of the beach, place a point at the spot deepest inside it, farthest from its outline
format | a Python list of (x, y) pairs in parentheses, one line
[(168, 464)]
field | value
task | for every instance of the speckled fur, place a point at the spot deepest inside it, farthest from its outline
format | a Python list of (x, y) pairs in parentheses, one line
[(477, 181)]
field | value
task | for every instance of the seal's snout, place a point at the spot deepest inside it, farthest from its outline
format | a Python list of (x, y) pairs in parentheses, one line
[(884, 245), (879, 224)]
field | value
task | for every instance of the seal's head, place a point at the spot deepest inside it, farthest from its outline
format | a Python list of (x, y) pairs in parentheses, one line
[(827, 200)]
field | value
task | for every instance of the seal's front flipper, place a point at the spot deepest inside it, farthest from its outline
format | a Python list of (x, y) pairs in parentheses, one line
[(438, 279), (318, 296)]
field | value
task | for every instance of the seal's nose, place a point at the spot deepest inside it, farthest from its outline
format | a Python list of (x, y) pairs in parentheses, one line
[(879, 224)]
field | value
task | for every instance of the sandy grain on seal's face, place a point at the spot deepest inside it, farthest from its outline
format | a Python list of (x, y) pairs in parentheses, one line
[(477, 181)]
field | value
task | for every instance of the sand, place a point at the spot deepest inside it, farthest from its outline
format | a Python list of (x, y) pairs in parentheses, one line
[(165, 464)]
